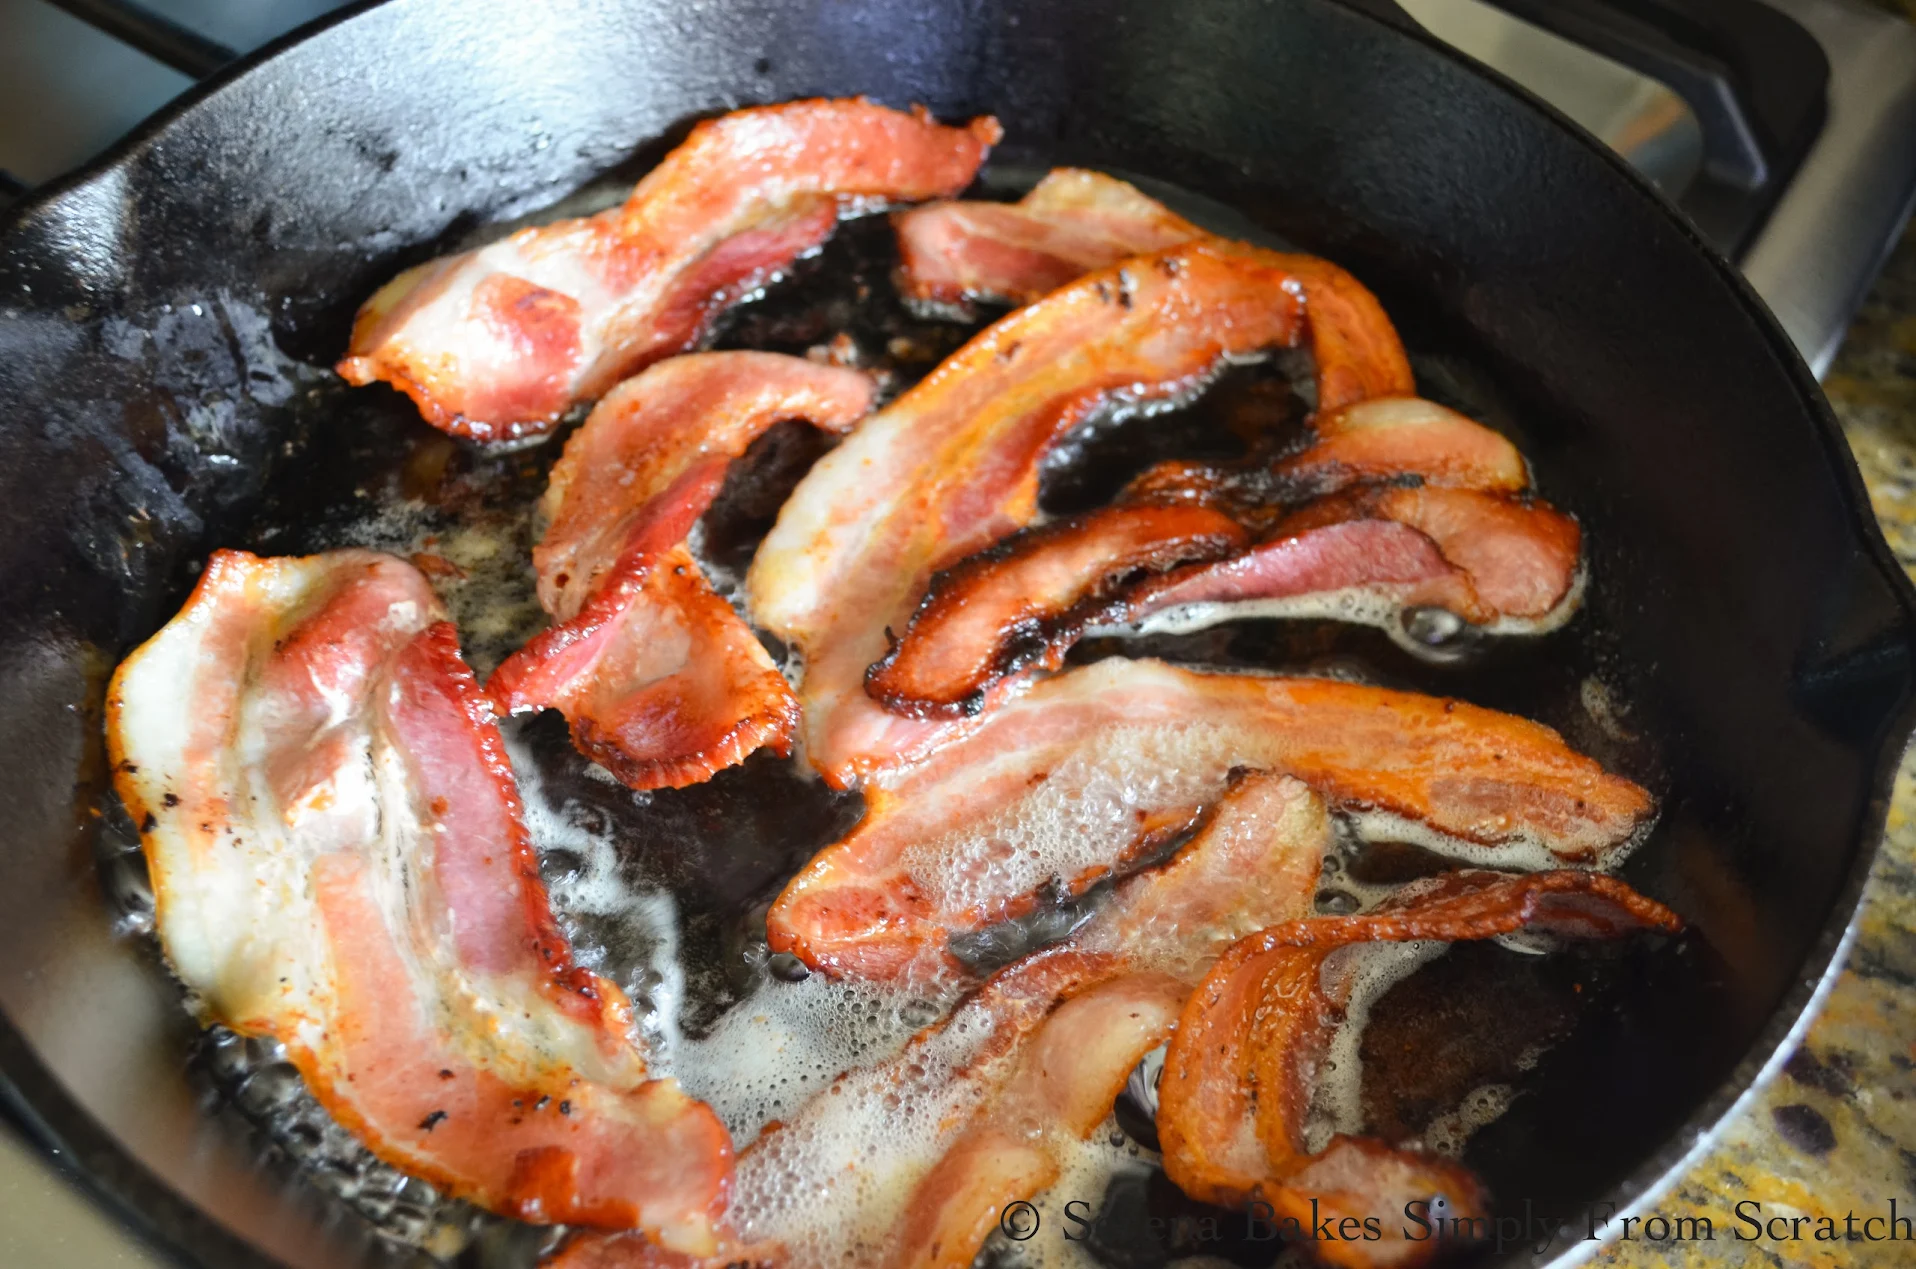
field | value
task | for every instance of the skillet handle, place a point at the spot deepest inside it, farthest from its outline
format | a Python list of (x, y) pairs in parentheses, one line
[(1755, 78)]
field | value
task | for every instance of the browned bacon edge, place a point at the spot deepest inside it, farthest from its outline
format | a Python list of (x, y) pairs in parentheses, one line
[(1014, 611), (1019, 606), (1237, 1077)]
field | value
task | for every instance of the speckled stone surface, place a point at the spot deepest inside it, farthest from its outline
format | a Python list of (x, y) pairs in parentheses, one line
[(1836, 1134)]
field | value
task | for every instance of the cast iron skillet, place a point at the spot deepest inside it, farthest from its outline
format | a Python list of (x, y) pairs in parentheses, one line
[(166, 317)]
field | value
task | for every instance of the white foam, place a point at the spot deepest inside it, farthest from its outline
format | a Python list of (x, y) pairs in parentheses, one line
[(832, 1185), (1450, 1131), (1604, 709), (1358, 976), (1381, 606), (1078, 820), (773, 1051), (1521, 853)]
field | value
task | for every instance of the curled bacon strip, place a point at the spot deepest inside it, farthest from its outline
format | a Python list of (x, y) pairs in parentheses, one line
[(1018, 607), (340, 863), (952, 466), (1073, 221), (1237, 1078), (1062, 786), (1498, 562), (1458, 542), (497, 343), (662, 682)]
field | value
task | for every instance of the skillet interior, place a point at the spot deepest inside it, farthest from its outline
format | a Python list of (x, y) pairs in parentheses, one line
[(165, 320)]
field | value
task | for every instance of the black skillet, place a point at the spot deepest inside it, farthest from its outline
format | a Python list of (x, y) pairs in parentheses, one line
[(165, 321)]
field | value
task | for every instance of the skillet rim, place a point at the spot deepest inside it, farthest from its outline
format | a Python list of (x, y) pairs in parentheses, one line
[(85, 1150)]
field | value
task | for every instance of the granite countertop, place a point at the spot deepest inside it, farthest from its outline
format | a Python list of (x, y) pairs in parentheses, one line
[(1836, 1133)]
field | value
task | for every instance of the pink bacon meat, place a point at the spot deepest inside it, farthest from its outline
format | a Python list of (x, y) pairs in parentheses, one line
[(497, 343), (952, 466), (1497, 562), (662, 682), (337, 850)]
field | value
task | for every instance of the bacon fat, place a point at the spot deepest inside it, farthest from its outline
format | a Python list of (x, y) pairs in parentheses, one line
[(497, 343), (340, 862), (1064, 784), (662, 682)]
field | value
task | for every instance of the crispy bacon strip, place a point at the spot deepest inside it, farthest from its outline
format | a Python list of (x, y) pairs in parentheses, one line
[(1073, 221), (496, 344), (1507, 564), (952, 466), (1017, 608), (1042, 1047), (1237, 1078), (340, 863), (1172, 546), (1055, 787), (662, 682)]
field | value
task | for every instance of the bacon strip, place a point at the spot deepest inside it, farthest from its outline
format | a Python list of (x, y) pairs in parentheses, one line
[(1238, 1075), (1017, 608), (1391, 437), (1059, 786), (1073, 221), (662, 682), (496, 344), (1066, 1079), (1506, 564), (952, 466), (340, 863), (657, 447)]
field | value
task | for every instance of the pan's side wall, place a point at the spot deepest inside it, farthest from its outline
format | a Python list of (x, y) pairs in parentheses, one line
[(162, 324)]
